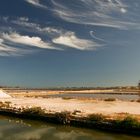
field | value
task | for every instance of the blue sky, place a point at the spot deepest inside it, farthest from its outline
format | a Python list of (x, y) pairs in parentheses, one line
[(49, 43)]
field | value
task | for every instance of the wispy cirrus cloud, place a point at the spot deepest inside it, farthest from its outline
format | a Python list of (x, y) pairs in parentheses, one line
[(106, 13), (4, 18), (69, 39), (8, 50), (36, 3), (8, 41), (26, 40), (119, 14), (58, 35), (55, 37), (24, 22), (92, 34), (10, 44)]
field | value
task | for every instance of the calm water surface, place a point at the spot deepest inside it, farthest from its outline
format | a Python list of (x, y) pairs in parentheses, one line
[(99, 96), (17, 129)]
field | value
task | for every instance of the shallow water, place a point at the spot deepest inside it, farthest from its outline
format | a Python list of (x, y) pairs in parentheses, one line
[(103, 96), (17, 129)]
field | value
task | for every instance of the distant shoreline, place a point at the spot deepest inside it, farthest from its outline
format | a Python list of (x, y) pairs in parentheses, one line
[(43, 93)]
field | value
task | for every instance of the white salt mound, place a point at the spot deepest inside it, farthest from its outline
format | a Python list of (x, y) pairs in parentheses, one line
[(4, 95)]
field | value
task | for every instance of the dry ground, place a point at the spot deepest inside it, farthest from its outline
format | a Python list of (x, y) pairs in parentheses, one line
[(84, 106)]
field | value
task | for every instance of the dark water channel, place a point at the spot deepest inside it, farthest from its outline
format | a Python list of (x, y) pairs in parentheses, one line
[(17, 129)]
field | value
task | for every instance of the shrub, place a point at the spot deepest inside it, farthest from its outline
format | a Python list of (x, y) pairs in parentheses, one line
[(128, 122), (110, 99), (63, 117), (132, 100), (34, 111), (138, 100), (66, 98), (96, 117), (5, 104)]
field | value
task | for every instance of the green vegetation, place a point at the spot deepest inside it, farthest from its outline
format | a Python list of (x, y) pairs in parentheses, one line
[(96, 118), (127, 124), (34, 111), (63, 117)]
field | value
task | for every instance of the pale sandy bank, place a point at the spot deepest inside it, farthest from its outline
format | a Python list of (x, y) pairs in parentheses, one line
[(85, 106)]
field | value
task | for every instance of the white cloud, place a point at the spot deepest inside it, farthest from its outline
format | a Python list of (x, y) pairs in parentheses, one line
[(107, 13), (26, 40), (71, 40), (4, 18), (6, 50), (60, 36), (35, 27), (10, 44), (36, 3), (51, 30), (57, 36), (92, 34), (123, 10), (23, 19)]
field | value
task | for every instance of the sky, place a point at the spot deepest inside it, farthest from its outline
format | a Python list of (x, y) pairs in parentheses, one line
[(69, 43)]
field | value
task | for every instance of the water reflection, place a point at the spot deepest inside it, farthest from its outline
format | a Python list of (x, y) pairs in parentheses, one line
[(17, 129)]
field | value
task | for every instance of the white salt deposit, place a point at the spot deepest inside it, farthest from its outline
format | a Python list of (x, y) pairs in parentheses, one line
[(4, 95), (85, 106)]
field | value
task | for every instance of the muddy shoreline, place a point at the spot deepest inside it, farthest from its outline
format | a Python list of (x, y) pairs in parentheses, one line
[(82, 122)]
